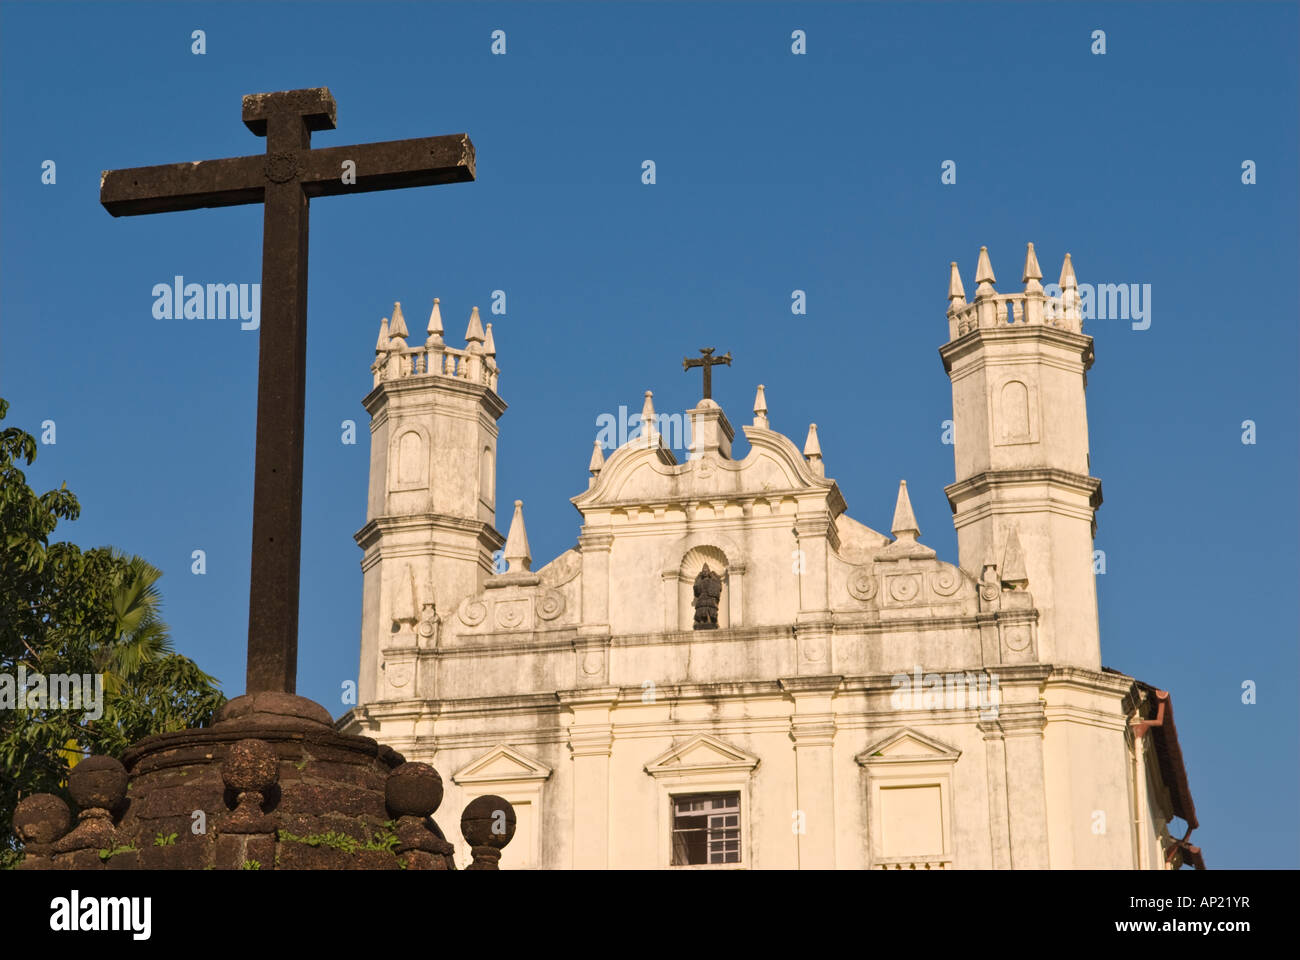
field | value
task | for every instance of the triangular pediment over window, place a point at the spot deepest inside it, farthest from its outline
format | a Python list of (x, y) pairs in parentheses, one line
[(502, 764), (701, 754), (907, 745)]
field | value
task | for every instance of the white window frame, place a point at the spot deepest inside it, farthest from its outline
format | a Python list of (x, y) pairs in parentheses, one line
[(709, 816), (931, 768), (675, 779)]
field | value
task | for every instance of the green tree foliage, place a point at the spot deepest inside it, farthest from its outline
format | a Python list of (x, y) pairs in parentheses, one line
[(64, 610)]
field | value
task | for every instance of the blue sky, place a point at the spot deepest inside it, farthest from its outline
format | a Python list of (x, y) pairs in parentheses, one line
[(774, 173)]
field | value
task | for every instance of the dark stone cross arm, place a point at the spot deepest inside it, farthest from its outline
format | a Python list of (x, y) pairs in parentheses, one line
[(284, 180), (239, 180)]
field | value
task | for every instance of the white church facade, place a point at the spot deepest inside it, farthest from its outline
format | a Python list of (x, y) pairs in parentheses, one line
[(839, 698)]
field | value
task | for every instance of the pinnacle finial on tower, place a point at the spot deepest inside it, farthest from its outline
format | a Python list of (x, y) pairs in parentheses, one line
[(435, 325), (760, 408), (1033, 307), (649, 427), (1071, 304), (1068, 282), (984, 275), (381, 345), (474, 332), (516, 549), (1013, 563), (489, 345), (597, 458), (956, 292), (812, 446), (904, 525), (812, 451), (397, 328), (1031, 274)]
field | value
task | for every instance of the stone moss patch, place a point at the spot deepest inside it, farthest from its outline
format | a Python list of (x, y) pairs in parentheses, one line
[(384, 839)]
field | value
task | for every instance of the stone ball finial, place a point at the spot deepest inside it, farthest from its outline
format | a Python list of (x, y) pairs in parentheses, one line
[(413, 790), (251, 765), (488, 822), (98, 783), (41, 819)]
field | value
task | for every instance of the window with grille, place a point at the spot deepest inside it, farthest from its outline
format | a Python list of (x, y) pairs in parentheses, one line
[(706, 829)]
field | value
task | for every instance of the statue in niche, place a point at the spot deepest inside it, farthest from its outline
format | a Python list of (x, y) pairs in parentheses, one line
[(708, 591)]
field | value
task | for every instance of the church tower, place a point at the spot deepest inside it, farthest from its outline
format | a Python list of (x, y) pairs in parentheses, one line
[(1023, 500), (430, 534)]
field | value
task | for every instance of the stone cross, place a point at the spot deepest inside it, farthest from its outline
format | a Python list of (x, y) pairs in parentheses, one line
[(708, 362), (283, 180)]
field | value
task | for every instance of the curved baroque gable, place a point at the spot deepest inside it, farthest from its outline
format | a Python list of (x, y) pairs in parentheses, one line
[(636, 474)]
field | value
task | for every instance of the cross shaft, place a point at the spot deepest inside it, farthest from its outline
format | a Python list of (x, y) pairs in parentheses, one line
[(283, 180)]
